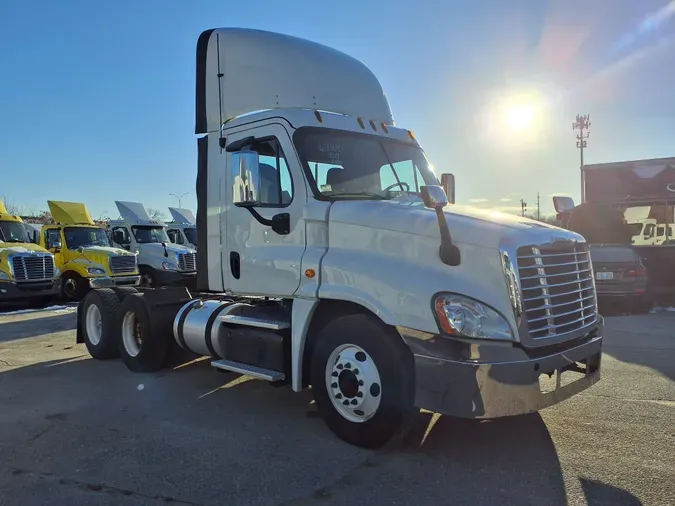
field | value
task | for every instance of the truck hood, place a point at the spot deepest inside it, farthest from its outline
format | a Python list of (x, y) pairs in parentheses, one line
[(105, 250), (24, 247), (468, 225)]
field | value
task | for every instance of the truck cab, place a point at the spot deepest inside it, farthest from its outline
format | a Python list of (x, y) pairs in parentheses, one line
[(330, 256), (159, 261), (83, 251), (27, 270), (182, 229)]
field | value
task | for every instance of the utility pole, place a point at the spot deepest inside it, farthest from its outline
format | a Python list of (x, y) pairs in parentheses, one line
[(179, 197), (523, 207), (538, 208), (582, 123)]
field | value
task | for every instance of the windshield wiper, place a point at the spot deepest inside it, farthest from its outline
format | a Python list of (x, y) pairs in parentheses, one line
[(356, 194)]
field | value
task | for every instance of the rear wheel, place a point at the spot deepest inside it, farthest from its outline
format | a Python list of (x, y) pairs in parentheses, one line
[(142, 347), (362, 376), (99, 311)]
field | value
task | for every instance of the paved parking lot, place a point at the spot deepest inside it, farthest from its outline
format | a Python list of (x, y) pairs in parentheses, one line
[(77, 431)]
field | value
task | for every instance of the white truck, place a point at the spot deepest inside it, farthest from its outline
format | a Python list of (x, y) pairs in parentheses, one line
[(330, 257), (183, 229), (160, 263)]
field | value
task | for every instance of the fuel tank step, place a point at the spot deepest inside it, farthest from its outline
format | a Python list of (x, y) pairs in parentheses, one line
[(249, 370), (250, 321)]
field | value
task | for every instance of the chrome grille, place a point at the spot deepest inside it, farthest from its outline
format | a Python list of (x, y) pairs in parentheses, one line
[(33, 267), (187, 262), (558, 292), (123, 264)]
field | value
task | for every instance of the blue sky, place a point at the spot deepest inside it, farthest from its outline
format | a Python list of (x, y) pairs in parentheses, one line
[(97, 98)]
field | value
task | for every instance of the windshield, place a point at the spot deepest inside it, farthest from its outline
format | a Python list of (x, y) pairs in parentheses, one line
[(191, 234), (350, 165), (14, 231), (84, 236), (150, 234)]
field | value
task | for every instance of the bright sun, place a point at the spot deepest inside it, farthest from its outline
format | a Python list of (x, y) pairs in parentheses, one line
[(521, 116)]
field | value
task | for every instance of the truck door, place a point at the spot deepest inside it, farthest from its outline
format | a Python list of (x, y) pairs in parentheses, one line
[(260, 261)]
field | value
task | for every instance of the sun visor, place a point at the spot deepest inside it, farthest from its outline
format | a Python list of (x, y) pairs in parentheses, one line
[(182, 215), (70, 213), (135, 214), (240, 71)]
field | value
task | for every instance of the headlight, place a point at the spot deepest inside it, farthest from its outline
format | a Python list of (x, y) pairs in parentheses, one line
[(4, 276), (168, 266), (57, 272), (464, 317), (95, 270)]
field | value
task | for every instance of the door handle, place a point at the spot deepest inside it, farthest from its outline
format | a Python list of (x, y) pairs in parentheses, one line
[(235, 264)]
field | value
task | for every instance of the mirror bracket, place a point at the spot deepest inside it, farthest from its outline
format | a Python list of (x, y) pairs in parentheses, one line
[(434, 197), (280, 223)]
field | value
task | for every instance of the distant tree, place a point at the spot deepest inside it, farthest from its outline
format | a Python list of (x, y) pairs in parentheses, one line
[(155, 214)]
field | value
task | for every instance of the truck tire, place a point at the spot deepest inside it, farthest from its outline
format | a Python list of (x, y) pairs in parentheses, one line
[(74, 287), (123, 291), (147, 277), (362, 377), (99, 317), (141, 346)]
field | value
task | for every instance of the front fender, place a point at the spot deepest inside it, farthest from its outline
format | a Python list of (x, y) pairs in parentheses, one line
[(396, 275)]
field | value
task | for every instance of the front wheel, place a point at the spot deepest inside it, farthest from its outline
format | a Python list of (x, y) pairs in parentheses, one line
[(362, 376)]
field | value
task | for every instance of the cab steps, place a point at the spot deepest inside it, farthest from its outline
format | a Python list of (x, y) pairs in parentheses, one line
[(248, 370)]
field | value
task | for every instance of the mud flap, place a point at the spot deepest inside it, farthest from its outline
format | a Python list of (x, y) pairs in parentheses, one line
[(79, 338)]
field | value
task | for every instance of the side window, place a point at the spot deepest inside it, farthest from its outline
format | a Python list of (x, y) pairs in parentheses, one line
[(649, 230), (175, 236), (404, 172), (52, 236), (120, 235), (276, 182)]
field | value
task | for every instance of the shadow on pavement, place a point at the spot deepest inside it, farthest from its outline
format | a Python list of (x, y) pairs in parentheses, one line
[(601, 494), (646, 340), (123, 422), (22, 329)]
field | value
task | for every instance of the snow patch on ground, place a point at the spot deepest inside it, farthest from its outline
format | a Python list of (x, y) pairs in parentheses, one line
[(56, 309)]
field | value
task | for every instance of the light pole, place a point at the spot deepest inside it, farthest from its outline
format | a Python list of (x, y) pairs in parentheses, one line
[(179, 197), (582, 123)]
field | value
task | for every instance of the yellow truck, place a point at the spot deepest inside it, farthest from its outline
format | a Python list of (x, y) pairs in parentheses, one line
[(27, 271), (84, 253)]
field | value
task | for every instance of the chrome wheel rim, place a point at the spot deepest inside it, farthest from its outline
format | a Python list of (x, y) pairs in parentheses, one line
[(131, 334), (94, 324), (353, 383), (70, 287)]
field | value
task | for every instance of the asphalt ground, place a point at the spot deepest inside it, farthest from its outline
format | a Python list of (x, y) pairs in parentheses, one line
[(75, 431)]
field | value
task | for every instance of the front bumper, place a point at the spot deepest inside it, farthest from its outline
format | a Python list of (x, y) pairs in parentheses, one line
[(175, 278), (471, 381), (108, 281), (10, 291)]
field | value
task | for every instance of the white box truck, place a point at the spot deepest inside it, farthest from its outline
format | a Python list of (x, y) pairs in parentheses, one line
[(330, 257)]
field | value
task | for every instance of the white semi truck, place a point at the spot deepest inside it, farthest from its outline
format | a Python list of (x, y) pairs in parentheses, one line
[(330, 257), (183, 229), (159, 261)]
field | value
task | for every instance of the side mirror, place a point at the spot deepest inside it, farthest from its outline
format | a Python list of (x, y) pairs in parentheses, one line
[(56, 245), (448, 184), (434, 196), (563, 204), (246, 184), (36, 239)]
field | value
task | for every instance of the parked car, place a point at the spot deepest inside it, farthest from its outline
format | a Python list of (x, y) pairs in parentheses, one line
[(620, 277)]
